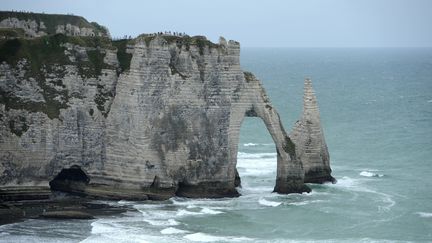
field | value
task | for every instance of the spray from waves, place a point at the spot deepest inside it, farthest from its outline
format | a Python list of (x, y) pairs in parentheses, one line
[(268, 203), (370, 174), (424, 214), (202, 237)]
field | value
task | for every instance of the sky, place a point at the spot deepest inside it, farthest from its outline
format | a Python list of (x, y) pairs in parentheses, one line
[(265, 23)]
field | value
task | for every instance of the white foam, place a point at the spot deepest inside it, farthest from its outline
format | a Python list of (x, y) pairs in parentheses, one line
[(243, 155), (102, 227), (257, 144), (265, 202), (171, 231), (302, 203), (424, 214), (350, 184), (183, 212), (202, 237), (346, 182), (210, 211), (169, 222), (370, 174)]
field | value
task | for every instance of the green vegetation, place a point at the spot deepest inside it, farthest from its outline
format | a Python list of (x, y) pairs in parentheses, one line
[(123, 57), (100, 99), (51, 21), (200, 41), (289, 147), (42, 55), (18, 126), (248, 76), (11, 33)]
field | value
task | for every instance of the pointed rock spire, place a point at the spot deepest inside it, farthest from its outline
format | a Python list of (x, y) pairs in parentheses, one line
[(308, 137)]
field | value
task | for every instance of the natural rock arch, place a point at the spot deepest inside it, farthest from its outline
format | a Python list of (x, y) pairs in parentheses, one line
[(253, 102)]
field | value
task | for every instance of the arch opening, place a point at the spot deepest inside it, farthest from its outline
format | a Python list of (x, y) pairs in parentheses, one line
[(256, 165), (72, 180)]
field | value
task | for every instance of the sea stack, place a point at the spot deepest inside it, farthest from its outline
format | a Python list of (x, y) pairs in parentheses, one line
[(308, 136)]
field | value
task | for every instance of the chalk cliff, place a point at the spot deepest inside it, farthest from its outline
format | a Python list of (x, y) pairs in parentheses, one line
[(151, 117), (308, 136)]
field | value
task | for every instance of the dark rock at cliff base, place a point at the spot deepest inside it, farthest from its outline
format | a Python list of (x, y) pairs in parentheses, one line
[(60, 206), (66, 215)]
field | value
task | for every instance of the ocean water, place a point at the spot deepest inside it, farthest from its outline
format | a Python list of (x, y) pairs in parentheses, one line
[(376, 111)]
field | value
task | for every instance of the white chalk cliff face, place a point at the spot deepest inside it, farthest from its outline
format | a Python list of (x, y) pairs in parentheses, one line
[(308, 136), (152, 117)]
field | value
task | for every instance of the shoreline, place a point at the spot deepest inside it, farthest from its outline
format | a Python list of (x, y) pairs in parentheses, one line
[(57, 207)]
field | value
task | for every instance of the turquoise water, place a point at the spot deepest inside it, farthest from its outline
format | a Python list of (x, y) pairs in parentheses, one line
[(376, 111)]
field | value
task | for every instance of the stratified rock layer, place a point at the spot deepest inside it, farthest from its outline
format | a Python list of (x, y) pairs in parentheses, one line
[(147, 118), (308, 137)]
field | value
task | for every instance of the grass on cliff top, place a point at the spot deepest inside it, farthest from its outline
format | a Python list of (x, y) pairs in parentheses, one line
[(11, 33), (47, 50), (123, 57), (52, 20), (200, 41)]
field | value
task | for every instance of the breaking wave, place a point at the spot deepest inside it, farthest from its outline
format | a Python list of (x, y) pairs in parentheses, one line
[(202, 237), (370, 174), (424, 214), (265, 202)]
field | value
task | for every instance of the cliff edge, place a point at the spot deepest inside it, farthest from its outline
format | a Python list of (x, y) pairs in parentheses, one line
[(144, 118)]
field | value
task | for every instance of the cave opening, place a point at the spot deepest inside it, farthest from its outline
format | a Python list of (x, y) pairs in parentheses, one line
[(256, 156), (72, 180)]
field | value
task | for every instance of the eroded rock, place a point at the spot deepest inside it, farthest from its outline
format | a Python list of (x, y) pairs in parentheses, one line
[(161, 120)]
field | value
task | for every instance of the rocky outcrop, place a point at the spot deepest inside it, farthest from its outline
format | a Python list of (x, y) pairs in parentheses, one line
[(32, 25), (147, 118), (308, 137)]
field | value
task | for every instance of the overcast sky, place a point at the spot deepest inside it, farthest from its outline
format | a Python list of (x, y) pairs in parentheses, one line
[(265, 23)]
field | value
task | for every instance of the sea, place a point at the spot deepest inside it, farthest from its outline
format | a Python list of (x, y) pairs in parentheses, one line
[(376, 113)]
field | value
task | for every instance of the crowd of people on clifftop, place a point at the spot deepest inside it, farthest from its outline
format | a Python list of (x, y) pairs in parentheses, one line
[(160, 33)]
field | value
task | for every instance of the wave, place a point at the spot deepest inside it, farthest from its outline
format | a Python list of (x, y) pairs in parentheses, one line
[(243, 155), (202, 237), (257, 144), (210, 211), (265, 202), (103, 226), (169, 222), (354, 185), (424, 214), (302, 203), (171, 231), (429, 101), (184, 212), (370, 174)]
